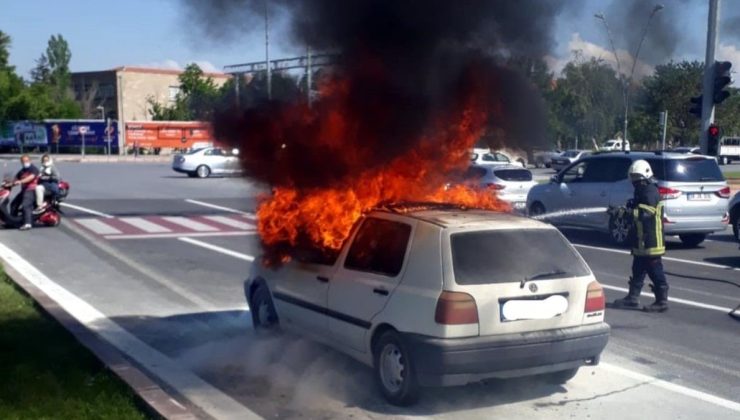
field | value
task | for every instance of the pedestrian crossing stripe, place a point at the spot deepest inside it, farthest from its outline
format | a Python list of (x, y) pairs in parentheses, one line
[(142, 227)]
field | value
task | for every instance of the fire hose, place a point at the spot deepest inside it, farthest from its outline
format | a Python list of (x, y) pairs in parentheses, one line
[(622, 212)]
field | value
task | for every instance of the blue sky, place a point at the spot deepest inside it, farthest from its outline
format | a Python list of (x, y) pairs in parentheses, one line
[(104, 34)]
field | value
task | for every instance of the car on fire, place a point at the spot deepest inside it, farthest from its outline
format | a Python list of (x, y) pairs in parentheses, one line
[(437, 295), (207, 161)]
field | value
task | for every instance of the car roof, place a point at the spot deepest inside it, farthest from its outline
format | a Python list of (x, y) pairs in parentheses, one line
[(451, 217), (646, 155)]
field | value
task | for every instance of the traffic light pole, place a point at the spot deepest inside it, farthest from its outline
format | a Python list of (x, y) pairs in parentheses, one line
[(707, 107)]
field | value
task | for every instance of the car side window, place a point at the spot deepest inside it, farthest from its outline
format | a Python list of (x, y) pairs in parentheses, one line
[(214, 152), (379, 247), (502, 158), (575, 173), (608, 170), (487, 157)]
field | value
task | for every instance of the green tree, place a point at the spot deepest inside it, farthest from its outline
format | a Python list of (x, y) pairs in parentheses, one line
[(42, 72), (196, 100), (58, 56), (5, 51)]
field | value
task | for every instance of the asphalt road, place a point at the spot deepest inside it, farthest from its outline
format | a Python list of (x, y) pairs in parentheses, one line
[(180, 292)]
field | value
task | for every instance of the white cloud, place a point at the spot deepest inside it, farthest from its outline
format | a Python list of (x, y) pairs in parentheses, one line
[(170, 64), (591, 50)]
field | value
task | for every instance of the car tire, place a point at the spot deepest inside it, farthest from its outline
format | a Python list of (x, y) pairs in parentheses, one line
[(202, 171), (264, 316), (692, 240), (395, 372), (735, 220), (548, 165), (192, 174), (560, 377), (536, 209), (723, 160), (620, 228)]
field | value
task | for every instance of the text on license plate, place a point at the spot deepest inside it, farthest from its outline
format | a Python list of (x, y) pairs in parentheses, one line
[(699, 196), (551, 307)]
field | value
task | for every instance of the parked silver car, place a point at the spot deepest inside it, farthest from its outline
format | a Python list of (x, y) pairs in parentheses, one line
[(694, 193), (511, 183), (207, 161), (566, 158)]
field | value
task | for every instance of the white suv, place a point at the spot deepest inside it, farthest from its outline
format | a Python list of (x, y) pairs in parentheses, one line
[(432, 295)]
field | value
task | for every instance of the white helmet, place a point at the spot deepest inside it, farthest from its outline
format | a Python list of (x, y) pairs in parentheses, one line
[(640, 170)]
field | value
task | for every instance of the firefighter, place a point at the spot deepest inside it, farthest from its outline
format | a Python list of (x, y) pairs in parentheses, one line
[(646, 211)]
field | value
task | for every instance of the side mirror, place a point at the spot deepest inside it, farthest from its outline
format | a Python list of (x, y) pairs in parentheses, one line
[(554, 179), (235, 152)]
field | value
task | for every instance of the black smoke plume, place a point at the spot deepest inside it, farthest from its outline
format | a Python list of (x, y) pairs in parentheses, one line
[(404, 62)]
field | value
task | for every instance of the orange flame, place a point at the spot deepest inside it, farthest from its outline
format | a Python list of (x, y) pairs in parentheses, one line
[(322, 217)]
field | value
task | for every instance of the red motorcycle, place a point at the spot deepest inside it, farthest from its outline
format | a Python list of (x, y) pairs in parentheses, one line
[(11, 214)]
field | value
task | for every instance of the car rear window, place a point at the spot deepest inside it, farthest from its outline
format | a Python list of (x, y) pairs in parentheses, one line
[(513, 174), (686, 170), (506, 256)]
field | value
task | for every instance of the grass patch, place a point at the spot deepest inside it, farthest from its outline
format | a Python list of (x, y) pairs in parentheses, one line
[(732, 175), (46, 373)]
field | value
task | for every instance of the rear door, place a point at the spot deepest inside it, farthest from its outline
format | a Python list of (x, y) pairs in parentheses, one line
[(214, 159), (579, 189), (507, 270), (690, 187), (371, 270)]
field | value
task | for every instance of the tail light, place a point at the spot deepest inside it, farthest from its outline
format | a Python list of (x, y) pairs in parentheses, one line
[(668, 193), (455, 308), (497, 187), (595, 298), (723, 193)]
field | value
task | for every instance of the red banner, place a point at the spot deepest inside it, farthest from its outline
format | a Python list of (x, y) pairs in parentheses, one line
[(167, 134)]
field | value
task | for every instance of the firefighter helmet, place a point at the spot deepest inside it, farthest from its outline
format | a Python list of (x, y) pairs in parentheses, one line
[(640, 170)]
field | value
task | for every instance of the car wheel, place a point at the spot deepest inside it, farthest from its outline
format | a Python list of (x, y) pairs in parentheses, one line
[(619, 229), (735, 220), (394, 370), (548, 166), (560, 377), (693, 239), (203, 171), (536, 209), (192, 174), (264, 316), (723, 160)]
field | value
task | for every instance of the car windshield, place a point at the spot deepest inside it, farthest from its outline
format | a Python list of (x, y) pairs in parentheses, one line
[(686, 170), (571, 153), (513, 174), (507, 256)]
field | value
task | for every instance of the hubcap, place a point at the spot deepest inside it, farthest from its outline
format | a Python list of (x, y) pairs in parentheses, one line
[(620, 230), (202, 172), (392, 368)]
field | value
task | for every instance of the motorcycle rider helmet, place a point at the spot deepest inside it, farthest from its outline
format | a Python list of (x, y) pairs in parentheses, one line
[(640, 170)]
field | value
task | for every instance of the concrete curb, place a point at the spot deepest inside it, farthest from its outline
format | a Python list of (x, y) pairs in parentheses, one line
[(96, 158), (156, 399)]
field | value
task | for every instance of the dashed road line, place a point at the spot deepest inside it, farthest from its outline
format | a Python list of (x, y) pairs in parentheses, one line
[(681, 260), (217, 207), (219, 249), (145, 225), (722, 309)]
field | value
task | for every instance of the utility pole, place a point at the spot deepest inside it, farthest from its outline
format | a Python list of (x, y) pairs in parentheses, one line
[(707, 106), (308, 75), (237, 79), (267, 52), (664, 123)]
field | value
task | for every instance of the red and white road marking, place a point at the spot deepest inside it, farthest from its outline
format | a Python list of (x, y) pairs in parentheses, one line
[(147, 227)]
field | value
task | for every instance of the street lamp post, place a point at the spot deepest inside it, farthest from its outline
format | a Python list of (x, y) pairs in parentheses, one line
[(267, 51), (626, 81)]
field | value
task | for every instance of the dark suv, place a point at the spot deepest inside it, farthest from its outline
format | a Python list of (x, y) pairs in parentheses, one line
[(694, 193)]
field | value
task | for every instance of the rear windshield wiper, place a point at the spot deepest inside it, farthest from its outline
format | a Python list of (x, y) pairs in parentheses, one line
[(539, 276), (709, 178)]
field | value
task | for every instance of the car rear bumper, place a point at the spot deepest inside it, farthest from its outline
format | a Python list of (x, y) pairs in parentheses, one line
[(458, 361), (681, 225)]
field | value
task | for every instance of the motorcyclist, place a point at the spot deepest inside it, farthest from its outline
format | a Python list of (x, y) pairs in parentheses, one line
[(646, 211), (27, 178), (48, 182)]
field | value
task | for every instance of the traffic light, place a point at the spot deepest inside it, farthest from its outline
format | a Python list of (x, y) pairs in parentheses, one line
[(722, 78), (696, 105), (713, 140)]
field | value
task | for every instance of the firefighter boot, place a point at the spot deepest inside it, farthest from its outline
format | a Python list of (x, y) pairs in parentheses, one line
[(661, 299), (631, 301)]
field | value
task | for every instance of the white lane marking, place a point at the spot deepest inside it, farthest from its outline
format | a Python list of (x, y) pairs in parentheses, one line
[(145, 225), (228, 221), (86, 210), (177, 235), (673, 299), (202, 394), (217, 207), (670, 386), (190, 224), (97, 226), (222, 250), (701, 263)]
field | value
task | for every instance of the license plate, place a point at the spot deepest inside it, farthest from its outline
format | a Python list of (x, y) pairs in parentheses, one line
[(519, 205), (699, 196), (519, 309)]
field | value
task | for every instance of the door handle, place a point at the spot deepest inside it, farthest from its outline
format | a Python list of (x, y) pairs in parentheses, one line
[(322, 279), (380, 291)]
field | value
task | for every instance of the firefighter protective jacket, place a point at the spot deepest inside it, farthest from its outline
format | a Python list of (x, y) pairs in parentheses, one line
[(647, 214)]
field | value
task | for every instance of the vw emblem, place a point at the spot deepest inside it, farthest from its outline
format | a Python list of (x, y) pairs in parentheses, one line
[(532, 287)]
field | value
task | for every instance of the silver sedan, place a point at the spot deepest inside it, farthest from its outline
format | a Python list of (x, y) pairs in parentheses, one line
[(207, 161)]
